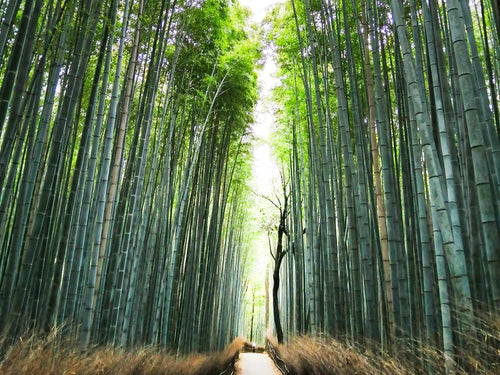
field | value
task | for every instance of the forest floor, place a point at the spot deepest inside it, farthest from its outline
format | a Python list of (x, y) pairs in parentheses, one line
[(255, 364)]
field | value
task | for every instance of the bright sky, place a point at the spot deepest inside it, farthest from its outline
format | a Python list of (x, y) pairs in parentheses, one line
[(258, 7), (265, 170)]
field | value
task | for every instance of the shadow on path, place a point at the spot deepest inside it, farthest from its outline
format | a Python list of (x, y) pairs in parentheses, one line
[(256, 364)]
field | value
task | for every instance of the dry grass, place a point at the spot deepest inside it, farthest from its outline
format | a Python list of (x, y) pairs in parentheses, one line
[(318, 356), (303, 355), (308, 355), (53, 357)]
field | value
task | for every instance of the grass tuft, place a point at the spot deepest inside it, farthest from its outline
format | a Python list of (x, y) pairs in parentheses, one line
[(310, 355), (50, 355), (317, 356)]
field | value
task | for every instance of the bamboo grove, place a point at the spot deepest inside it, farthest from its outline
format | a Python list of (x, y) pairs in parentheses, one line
[(389, 110), (124, 148)]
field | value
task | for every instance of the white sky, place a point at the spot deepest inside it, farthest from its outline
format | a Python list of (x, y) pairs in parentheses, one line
[(258, 7), (264, 169)]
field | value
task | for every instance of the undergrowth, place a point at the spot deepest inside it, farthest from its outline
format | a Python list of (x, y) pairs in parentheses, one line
[(305, 355), (52, 356), (311, 355)]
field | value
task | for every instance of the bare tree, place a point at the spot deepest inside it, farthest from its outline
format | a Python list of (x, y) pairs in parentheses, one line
[(280, 251)]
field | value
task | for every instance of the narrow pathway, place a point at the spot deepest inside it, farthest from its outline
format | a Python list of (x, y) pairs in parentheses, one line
[(255, 364)]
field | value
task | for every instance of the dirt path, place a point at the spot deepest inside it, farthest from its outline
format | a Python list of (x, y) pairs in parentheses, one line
[(255, 364)]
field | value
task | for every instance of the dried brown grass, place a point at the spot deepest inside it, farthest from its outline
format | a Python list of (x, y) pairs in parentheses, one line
[(310, 355), (52, 356), (317, 356)]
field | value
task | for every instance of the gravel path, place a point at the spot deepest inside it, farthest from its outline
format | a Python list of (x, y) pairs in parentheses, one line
[(256, 364)]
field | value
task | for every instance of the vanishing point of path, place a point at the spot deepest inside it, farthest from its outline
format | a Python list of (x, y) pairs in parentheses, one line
[(255, 364)]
